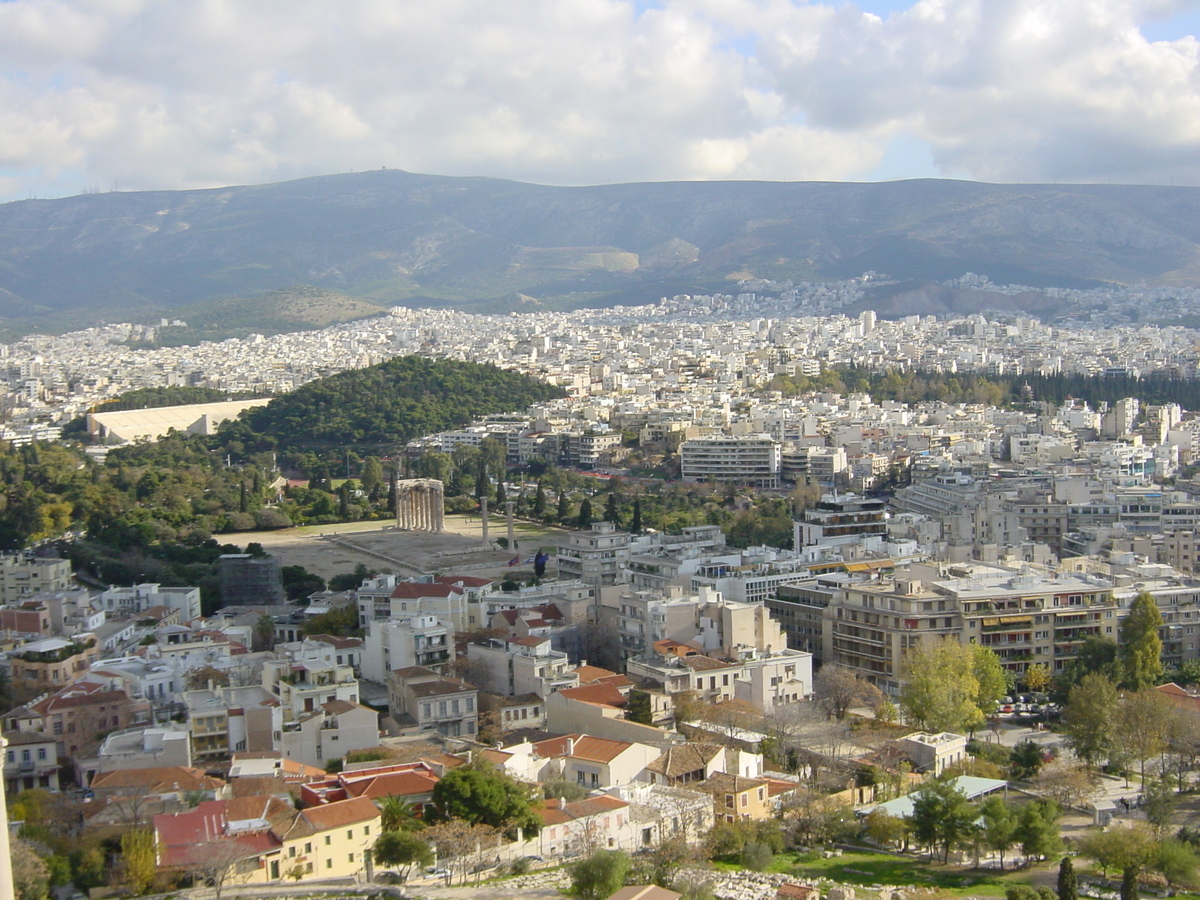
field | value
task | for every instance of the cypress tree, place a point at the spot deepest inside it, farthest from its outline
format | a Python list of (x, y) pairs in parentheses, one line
[(636, 524), (1068, 887)]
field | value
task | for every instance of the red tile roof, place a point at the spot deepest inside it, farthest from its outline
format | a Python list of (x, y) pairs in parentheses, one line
[(596, 694), (409, 590)]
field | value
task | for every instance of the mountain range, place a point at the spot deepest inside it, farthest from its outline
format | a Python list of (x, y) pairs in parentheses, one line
[(308, 252)]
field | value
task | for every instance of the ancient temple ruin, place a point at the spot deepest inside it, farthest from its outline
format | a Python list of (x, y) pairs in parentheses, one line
[(420, 504)]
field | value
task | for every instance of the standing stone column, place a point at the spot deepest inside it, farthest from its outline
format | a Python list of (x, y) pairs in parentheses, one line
[(483, 517)]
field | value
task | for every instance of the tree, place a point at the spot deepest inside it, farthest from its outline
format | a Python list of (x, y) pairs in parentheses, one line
[(994, 681), (635, 523), (539, 501), (612, 512), (220, 862), (1141, 725), (942, 816), (264, 633), (839, 689), (1140, 648), (1088, 718), (585, 513), (481, 795), (1158, 803), (885, 829), (756, 856), (1176, 861), (1037, 829), (562, 789), (1068, 884), (1066, 785), (460, 844), (396, 814), (563, 508), (999, 826), (1025, 760), (639, 709), (1124, 849), (402, 848), (941, 687), (1037, 677), (31, 877), (138, 859), (371, 475), (599, 876)]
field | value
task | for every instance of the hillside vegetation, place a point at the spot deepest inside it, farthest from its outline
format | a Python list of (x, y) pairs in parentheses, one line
[(389, 404)]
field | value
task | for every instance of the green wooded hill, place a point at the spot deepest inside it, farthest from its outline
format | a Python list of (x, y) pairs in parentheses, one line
[(388, 404)]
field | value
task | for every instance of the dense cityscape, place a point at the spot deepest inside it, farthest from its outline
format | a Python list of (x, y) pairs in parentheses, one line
[(969, 591)]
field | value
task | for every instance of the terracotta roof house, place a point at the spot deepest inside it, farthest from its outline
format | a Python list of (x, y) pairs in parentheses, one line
[(265, 839)]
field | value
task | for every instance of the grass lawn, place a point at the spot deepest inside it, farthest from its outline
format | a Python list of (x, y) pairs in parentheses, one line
[(875, 868)]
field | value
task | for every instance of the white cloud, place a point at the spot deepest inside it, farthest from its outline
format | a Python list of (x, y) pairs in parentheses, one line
[(162, 94)]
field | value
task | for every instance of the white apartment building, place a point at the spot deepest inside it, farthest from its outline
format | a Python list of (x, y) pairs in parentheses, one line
[(127, 601), (21, 577), (400, 643), (524, 665), (744, 459)]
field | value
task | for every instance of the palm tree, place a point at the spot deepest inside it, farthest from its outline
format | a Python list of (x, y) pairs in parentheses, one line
[(398, 815)]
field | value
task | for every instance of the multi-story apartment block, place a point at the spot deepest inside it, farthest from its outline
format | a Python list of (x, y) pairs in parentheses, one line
[(841, 519), (800, 611), (400, 643), (326, 648), (596, 557), (1025, 618), (766, 680), (1044, 520), (1181, 550), (388, 597), (31, 761), (420, 699), (50, 664), (28, 617), (129, 601), (704, 618), (526, 665), (21, 577), (305, 687), (224, 721), (749, 459)]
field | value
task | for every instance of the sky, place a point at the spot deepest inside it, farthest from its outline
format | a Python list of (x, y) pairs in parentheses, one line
[(100, 95)]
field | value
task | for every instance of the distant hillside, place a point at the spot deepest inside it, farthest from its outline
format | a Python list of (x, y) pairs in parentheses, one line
[(389, 404), (386, 237)]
